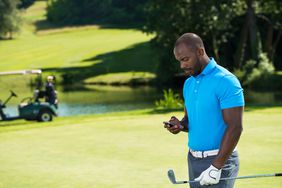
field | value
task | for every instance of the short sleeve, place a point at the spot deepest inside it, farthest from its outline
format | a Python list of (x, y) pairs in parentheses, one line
[(230, 92)]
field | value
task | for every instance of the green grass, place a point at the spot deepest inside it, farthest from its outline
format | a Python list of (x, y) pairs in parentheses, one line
[(279, 73), (72, 50), (124, 150), (122, 78), (112, 150)]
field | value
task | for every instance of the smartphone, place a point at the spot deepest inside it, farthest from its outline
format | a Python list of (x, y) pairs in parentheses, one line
[(167, 123)]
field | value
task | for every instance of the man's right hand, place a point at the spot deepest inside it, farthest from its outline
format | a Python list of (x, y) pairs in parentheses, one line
[(176, 128)]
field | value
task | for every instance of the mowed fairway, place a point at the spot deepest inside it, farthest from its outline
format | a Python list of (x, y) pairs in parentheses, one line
[(124, 150), (66, 49), (62, 47)]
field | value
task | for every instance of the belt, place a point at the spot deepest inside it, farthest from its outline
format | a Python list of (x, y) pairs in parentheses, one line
[(203, 154)]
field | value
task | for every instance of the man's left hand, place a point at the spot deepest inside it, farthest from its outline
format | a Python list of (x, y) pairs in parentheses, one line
[(210, 176)]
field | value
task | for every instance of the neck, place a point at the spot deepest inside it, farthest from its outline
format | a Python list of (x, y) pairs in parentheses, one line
[(204, 62)]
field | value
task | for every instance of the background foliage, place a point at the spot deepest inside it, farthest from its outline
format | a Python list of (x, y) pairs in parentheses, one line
[(25, 3), (170, 100), (9, 18), (73, 12), (233, 31)]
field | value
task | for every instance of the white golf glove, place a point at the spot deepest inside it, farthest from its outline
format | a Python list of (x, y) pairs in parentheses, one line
[(210, 176)]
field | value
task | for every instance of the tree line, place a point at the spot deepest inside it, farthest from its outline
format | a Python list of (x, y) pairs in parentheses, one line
[(239, 34), (234, 32), (73, 12)]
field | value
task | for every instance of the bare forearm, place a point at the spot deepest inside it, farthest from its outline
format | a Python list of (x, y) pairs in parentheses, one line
[(229, 142)]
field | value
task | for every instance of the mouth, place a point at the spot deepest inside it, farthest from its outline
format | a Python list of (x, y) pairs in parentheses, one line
[(188, 70)]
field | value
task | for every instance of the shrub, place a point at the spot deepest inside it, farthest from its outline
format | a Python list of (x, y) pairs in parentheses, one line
[(24, 4), (258, 76), (170, 100), (74, 12)]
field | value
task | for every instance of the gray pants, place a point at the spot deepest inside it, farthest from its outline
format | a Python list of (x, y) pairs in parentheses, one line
[(197, 165)]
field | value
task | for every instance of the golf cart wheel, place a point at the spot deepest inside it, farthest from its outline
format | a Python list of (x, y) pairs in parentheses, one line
[(45, 115)]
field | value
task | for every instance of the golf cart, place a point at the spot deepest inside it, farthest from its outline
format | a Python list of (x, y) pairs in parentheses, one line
[(30, 108)]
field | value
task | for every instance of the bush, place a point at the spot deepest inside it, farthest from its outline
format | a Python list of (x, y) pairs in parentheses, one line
[(259, 76), (73, 12), (170, 100), (24, 4)]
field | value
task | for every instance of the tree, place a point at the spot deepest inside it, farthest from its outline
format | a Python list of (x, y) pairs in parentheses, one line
[(262, 28), (24, 4), (9, 18), (269, 15), (73, 12), (129, 10), (233, 31), (169, 19)]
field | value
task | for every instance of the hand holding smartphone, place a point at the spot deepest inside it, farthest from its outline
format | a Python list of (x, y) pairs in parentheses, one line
[(168, 124)]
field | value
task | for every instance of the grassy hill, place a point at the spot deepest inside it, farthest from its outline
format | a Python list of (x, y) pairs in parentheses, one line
[(71, 50), (125, 150)]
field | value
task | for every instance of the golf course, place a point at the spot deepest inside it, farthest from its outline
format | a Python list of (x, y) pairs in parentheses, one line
[(91, 49), (128, 149)]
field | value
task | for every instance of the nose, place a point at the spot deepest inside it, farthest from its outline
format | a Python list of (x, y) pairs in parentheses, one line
[(182, 65)]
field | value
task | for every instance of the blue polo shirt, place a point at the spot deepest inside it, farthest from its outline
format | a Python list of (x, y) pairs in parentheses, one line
[(205, 96)]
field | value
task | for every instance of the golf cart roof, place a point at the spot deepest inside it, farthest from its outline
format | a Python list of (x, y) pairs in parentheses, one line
[(21, 72)]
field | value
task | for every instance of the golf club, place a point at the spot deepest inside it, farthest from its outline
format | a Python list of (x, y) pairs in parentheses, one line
[(172, 178)]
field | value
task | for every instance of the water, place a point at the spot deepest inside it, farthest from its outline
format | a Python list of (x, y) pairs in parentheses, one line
[(102, 99), (96, 100)]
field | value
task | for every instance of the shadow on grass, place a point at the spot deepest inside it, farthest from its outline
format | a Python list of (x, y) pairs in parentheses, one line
[(137, 58), (248, 108), (46, 25), (254, 107), (164, 111), (13, 123)]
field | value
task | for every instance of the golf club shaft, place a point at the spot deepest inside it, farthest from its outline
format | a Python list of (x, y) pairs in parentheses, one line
[(239, 177)]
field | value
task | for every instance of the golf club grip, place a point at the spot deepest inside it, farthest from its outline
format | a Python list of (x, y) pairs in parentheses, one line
[(254, 176), (172, 179), (239, 177)]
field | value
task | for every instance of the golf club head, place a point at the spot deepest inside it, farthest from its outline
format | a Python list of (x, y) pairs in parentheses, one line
[(171, 176)]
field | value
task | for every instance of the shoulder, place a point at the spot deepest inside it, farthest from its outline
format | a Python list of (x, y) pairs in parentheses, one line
[(229, 90), (222, 72), (225, 77)]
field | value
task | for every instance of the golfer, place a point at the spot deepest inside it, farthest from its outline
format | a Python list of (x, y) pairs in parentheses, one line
[(50, 92), (214, 104)]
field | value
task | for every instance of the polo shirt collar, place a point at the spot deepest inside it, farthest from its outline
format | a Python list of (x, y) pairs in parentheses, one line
[(210, 66)]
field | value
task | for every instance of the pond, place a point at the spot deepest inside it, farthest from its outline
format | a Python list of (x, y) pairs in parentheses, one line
[(102, 99), (93, 100)]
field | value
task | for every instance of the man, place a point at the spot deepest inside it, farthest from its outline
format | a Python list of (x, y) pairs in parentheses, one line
[(214, 104), (50, 92)]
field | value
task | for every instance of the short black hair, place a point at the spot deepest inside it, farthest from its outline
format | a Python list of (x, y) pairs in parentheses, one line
[(191, 40)]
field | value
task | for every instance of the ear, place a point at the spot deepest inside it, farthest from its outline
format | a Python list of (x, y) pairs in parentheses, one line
[(200, 52)]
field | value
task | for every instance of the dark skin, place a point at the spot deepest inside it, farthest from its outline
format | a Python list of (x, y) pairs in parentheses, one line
[(193, 60), (178, 125)]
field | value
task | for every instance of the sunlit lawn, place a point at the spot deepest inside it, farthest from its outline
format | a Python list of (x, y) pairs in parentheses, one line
[(75, 47), (65, 49), (124, 150)]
